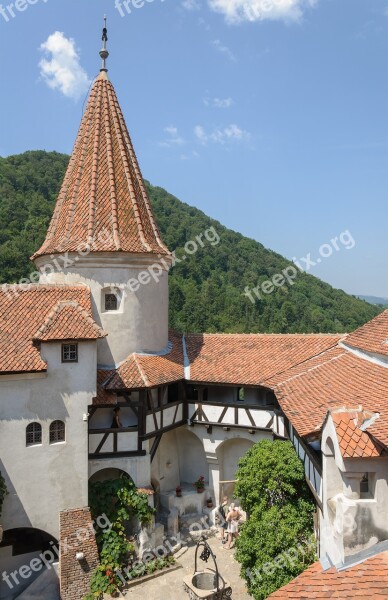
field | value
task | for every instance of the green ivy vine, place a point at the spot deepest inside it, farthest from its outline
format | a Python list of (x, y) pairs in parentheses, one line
[(120, 501)]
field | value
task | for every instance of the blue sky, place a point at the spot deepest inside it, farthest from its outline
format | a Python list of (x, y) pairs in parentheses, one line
[(269, 115)]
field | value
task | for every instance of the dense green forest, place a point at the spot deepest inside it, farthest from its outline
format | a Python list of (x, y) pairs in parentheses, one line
[(206, 290)]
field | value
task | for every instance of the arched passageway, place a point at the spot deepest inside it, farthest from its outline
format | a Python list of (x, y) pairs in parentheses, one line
[(18, 549), (228, 456), (108, 475)]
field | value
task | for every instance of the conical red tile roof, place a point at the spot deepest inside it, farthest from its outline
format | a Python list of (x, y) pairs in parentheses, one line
[(103, 201)]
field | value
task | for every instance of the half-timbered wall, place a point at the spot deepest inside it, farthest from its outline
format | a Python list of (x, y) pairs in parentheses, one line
[(313, 469)]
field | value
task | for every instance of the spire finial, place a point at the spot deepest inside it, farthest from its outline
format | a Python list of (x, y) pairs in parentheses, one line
[(104, 52)]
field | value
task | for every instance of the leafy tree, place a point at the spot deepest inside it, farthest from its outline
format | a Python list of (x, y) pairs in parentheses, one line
[(276, 542)]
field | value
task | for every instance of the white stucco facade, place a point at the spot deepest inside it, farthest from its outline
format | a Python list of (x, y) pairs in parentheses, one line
[(140, 324), (351, 523), (44, 479)]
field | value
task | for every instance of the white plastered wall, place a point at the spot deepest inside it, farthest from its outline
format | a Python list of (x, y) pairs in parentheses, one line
[(141, 322), (350, 524), (138, 468), (45, 479)]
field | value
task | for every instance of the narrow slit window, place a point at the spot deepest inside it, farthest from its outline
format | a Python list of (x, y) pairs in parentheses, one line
[(365, 486)]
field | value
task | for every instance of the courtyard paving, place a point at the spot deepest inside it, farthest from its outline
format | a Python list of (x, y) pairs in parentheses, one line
[(169, 586)]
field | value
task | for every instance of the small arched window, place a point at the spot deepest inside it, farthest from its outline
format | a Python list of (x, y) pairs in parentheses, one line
[(111, 302), (57, 432), (33, 434)]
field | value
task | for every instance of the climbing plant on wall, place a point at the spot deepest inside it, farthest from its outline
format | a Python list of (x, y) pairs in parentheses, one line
[(119, 501)]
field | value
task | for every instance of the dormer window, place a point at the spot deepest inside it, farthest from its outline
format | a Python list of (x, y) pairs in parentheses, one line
[(69, 353), (111, 302)]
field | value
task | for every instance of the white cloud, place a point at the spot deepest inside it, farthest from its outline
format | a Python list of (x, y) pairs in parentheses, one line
[(232, 133), (173, 138), (200, 134), (191, 4), (236, 11), (61, 69), (224, 50), (221, 102)]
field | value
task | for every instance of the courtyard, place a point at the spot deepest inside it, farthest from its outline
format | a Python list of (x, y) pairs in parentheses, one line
[(169, 586)]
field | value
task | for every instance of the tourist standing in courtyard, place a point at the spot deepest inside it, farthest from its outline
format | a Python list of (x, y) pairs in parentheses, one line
[(222, 519), (232, 520)]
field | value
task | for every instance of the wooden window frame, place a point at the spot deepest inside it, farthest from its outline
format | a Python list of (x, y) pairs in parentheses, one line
[(57, 428), (108, 296), (63, 351), (36, 430)]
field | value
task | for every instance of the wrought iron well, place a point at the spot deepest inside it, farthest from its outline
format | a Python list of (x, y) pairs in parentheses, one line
[(207, 584)]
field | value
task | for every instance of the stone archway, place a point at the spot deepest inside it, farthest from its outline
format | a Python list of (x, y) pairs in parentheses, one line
[(19, 547), (228, 455), (108, 474), (179, 460)]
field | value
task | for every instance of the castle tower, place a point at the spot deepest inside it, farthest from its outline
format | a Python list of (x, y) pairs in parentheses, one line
[(103, 232)]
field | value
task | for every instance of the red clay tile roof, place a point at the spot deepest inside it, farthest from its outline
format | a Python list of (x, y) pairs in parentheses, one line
[(353, 442), (104, 396), (250, 359), (336, 379), (144, 371), (68, 321), (103, 200), (22, 312), (366, 580), (372, 337)]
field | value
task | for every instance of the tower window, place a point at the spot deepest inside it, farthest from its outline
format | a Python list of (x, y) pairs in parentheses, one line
[(33, 434), (111, 302), (69, 353), (57, 432)]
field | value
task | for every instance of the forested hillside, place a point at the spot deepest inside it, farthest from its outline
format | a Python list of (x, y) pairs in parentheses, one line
[(206, 290)]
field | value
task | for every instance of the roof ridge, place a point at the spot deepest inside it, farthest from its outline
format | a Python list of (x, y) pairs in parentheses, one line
[(43, 286), (310, 369), (55, 311), (264, 334), (143, 375)]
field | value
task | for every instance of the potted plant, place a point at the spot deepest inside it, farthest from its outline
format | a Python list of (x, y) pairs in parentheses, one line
[(178, 491), (200, 484), (209, 502)]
